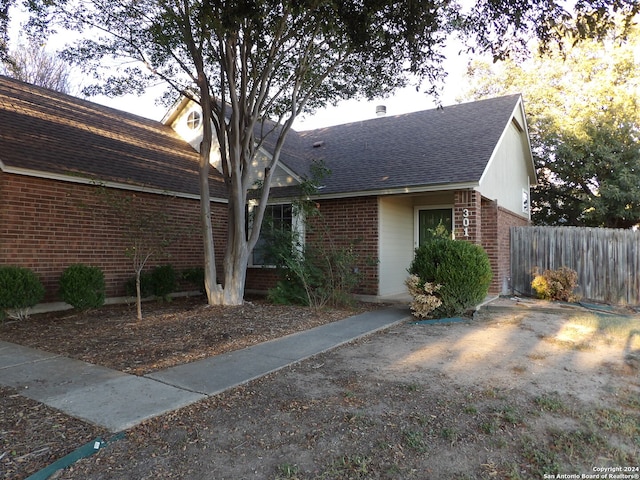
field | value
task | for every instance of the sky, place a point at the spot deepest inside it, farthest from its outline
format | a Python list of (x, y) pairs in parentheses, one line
[(403, 101)]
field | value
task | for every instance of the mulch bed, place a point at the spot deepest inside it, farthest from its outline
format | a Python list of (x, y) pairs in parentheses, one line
[(32, 435)]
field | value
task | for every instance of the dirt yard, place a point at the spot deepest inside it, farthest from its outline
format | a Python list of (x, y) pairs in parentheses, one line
[(524, 390)]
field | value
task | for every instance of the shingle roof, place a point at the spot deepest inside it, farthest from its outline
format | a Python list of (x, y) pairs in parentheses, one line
[(433, 147), (50, 132)]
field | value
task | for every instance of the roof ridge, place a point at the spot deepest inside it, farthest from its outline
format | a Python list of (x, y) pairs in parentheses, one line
[(416, 112)]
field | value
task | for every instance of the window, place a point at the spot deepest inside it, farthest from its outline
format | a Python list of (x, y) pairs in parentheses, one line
[(194, 119), (431, 220), (525, 201), (277, 218)]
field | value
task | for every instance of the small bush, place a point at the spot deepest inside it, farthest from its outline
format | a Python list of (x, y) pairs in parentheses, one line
[(424, 299), (159, 282), (82, 287), (556, 284), (288, 292), (163, 281), (321, 274), (195, 276), (145, 286), (20, 289), (461, 268)]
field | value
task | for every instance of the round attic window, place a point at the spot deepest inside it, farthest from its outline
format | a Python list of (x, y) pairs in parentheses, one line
[(194, 119)]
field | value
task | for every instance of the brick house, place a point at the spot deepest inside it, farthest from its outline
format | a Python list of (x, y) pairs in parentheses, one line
[(468, 167), (57, 152)]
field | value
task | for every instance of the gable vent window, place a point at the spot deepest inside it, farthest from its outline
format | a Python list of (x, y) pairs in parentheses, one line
[(194, 119)]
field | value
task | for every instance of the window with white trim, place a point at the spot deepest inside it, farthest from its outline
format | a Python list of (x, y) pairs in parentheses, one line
[(280, 217), (194, 119)]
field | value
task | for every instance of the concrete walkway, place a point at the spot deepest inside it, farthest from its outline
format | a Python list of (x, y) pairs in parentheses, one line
[(119, 401)]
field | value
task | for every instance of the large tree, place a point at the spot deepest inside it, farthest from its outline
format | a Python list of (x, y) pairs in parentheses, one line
[(253, 66), (4, 30), (33, 63), (584, 117)]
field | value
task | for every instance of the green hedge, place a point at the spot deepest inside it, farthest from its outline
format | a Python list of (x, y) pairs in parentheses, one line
[(82, 287), (159, 282), (20, 289)]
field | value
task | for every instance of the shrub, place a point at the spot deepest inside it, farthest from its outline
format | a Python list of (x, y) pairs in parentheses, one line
[(159, 282), (163, 281), (20, 289), (424, 300), (82, 286), (195, 276), (318, 275), (461, 268), (145, 285), (556, 284)]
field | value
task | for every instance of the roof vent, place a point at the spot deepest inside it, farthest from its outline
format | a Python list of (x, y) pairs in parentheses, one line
[(318, 144), (381, 110)]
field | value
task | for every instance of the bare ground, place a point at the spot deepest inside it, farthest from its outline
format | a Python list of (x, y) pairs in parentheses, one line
[(523, 390)]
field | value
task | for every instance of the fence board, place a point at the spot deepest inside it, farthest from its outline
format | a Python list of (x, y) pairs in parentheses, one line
[(607, 260)]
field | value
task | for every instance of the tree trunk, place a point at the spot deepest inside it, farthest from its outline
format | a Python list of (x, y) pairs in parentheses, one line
[(212, 288), (235, 275), (138, 296)]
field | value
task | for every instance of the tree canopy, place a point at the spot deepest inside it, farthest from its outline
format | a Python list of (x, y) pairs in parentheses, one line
[(4, 30), (254, 65), (583, 109), (33, 64)]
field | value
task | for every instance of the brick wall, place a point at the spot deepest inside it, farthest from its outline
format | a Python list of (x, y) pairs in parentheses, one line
[(506, 220), (352, 222), (344, 223), (491, 244), (487, 224), (496, 225), (47, 225), (467, 216), (261, 279)]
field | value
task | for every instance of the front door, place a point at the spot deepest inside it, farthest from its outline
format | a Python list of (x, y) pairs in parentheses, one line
[(433, 219)]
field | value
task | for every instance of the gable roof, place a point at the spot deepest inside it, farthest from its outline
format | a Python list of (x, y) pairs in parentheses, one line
[(432, 149), (53, 135)]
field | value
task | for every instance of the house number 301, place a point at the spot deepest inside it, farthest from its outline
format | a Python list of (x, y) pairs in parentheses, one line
[(465, 221)]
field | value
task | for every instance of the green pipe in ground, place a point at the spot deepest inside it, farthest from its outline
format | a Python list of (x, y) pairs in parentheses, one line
[(83, 452)]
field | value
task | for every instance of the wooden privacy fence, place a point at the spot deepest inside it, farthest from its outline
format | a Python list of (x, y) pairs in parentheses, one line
[(607, 260)]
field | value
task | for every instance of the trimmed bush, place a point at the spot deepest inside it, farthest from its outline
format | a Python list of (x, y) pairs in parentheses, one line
[(145, 286), (195, 276), (163, 281), (461, 268), (159, 282), (20, 289), (82, 286), (556, 284)]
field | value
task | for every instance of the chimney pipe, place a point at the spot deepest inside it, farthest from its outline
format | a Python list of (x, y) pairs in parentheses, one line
[(381, 110)]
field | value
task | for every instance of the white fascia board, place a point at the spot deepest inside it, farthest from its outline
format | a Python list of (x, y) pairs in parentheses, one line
[(534, 176), (88, 181), (390, 191), (174, 110)]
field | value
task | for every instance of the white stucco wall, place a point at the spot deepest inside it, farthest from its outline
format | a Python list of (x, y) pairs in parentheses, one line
[(396, 243), (507, 174)]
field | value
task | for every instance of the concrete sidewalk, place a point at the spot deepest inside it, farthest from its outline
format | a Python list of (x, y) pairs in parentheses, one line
[(119, 401)]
